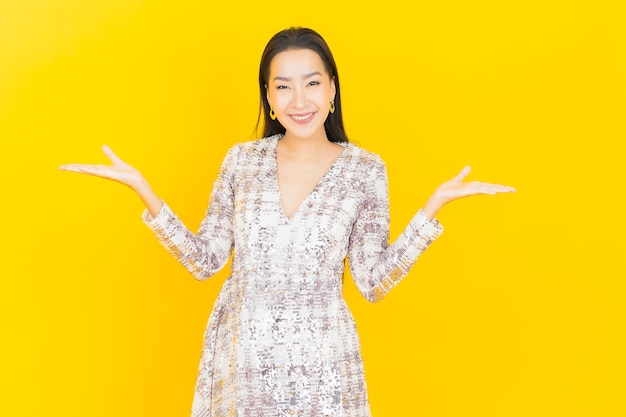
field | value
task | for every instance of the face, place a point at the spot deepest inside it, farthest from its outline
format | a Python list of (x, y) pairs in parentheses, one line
[(300, 90)]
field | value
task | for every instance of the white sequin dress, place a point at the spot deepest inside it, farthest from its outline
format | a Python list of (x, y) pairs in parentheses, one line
[(280, 340)]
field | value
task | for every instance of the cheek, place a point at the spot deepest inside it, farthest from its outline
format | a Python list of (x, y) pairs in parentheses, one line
[(321, 95), (279, 100), (325, 98)]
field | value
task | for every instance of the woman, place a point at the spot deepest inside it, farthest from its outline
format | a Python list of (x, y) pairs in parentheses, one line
[(293, 205)]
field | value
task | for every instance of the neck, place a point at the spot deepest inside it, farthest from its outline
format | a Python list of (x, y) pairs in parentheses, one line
[(305, 146)]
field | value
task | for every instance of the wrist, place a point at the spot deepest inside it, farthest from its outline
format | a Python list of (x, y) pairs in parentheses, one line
[(140, 186), (432, 207), (152, 201)]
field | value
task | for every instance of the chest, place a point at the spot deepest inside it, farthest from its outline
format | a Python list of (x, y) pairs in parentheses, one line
[(296, 182), (309, 208)]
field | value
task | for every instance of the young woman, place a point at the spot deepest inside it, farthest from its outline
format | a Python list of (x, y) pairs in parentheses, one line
[(292, 206)]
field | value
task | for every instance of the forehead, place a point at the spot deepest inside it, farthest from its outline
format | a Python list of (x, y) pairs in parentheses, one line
[(293, 62)]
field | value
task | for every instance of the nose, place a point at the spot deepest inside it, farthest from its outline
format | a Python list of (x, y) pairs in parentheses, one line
[(299, 98)]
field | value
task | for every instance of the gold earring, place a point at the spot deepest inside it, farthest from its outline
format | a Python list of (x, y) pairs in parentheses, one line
[(332, 106), (272, 114)]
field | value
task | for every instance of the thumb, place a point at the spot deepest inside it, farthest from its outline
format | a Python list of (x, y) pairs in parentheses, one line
[(461, 175), (110, 154)]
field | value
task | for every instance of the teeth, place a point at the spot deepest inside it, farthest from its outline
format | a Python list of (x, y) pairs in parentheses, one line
[(302, 117)]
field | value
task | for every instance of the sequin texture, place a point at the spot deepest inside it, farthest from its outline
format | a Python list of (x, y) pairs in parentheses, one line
[(281, 341)]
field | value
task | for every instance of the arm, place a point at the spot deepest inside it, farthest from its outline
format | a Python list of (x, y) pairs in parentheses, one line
[(207, 251), (203, 253), (376, 265)]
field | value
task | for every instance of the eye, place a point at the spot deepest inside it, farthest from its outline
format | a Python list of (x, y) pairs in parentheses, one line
[(312, 83), (281, 87)]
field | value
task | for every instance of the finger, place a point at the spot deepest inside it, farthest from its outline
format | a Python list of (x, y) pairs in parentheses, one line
[(506, 189), (111, 155), (96, 170), (486, 188), (71, 167), (499, 188), (461, 175)]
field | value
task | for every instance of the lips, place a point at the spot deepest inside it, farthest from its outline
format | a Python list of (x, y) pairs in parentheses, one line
[(303, 118)]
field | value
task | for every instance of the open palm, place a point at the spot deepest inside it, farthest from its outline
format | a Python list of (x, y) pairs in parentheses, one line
[(456, 188), (118, 171)]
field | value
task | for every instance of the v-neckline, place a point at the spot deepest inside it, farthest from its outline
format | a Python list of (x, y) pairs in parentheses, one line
[(317, 186)]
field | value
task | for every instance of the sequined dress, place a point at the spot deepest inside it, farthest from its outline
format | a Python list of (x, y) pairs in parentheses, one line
[(280, 340)]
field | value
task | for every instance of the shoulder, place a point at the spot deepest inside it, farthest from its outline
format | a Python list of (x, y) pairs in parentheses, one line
[(364, 160), (256, 147), (366, 172), (252, 149)]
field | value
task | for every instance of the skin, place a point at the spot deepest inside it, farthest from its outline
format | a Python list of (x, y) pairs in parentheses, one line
[(299, 90)]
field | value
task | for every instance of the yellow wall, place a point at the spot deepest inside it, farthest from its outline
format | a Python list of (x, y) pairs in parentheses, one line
[(516, 311)]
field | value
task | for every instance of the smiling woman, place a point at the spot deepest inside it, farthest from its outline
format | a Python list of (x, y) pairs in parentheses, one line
[(292, 206), (310, 46), (300, 93)]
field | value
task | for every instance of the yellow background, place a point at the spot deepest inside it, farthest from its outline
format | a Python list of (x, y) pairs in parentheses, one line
[(518, 310)]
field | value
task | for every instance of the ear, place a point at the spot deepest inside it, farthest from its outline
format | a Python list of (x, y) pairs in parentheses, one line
[(333, 89), (267, 93)]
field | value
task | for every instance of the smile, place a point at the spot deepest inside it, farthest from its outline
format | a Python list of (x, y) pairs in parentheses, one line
[(302, 118)]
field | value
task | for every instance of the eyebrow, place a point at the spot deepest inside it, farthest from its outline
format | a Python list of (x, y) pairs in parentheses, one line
[(279, 78)]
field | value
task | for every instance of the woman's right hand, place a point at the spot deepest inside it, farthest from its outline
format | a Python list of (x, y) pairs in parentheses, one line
[(123, 173)]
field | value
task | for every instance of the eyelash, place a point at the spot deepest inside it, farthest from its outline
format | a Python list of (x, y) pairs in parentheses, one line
[(284, 87)]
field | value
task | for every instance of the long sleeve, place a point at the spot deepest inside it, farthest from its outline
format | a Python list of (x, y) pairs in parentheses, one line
[(207, 251), (376, 265)]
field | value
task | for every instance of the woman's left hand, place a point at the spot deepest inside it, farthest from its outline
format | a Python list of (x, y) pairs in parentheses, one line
[(456, 188)]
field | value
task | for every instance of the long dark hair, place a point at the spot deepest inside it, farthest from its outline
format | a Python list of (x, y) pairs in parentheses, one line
[(299, 38)]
